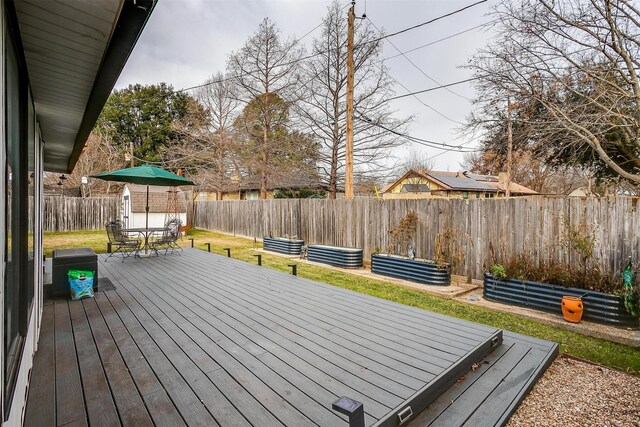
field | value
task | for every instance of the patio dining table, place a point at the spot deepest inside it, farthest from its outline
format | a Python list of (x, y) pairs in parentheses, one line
[(145, 232)]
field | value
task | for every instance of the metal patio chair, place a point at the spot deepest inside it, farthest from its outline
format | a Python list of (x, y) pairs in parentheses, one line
[(120, 243), (169, 239)]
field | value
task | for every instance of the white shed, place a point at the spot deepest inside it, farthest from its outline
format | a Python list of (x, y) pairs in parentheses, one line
[(134, 201)]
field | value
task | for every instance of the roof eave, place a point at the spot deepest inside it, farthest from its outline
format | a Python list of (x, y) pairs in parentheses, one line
[(132, 20)]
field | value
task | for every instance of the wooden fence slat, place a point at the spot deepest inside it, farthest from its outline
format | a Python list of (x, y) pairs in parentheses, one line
[(79, 213), (533, 224)]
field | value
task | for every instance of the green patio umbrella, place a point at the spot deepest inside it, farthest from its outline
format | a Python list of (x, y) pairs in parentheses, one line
[(145, 175)]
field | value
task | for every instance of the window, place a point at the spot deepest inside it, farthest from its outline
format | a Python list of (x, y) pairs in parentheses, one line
[(465, 194), (19, 183)]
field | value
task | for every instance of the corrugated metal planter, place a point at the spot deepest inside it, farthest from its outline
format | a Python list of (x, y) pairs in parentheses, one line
[(419, 271), (599, 307), (335, 255), (282, 245)]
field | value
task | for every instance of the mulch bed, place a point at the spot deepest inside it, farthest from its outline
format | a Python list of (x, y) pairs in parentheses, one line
[(574, 392)]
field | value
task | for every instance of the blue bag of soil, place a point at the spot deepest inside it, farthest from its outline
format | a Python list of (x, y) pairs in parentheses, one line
[(81, 284)]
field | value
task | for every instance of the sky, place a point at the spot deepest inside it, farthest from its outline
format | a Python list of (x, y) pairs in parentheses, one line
[(186, 41)]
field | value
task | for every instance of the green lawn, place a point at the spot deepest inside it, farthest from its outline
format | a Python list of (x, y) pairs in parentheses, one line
[(596, 350)]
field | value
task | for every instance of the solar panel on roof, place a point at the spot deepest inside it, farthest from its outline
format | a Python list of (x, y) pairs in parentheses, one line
[(461, 182)]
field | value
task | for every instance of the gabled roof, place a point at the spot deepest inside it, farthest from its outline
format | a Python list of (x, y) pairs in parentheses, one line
[(463, 181)]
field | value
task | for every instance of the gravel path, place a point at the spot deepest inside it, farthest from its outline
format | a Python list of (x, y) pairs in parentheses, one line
[(576, 393)]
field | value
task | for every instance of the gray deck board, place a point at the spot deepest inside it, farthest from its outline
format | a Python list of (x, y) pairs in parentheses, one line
[(130, 405), (101, 409), (157, 401), (69, 395), (201, 339), (339, 324), (490, 394), (41, 407)]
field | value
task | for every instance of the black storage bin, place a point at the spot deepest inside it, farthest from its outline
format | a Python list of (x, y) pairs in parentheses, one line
[(72, 259)]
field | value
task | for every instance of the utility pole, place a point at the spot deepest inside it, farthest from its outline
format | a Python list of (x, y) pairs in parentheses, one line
[(348, 179), (509, 147)]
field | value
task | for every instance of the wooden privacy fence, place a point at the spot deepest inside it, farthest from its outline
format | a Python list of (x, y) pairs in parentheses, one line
[(532, 225), (79, 213)]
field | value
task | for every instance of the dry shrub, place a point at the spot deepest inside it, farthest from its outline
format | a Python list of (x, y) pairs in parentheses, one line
[(584, 273), (403, 234), (448, 250)]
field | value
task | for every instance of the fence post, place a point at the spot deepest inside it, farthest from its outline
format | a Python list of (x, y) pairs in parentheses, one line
[(294, 269)]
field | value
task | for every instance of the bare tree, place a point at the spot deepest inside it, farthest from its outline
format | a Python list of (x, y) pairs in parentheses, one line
[(206, 146), (577, 61), (323, 108), (100, 154), (417, 160), (265, 70)]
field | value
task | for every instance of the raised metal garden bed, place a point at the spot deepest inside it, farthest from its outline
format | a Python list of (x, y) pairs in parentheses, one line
[(335, 255), (599, 307), (283, 245), (419, 271)]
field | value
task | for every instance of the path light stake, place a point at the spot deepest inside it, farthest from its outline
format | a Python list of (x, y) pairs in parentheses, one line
[(208, 247), (259, 258), (228, 251), (294, 269), (352, 408), (191, 238)]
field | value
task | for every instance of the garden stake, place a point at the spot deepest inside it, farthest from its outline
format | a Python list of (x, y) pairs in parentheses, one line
[(191, 238), (259, 258), (208, 247), (228, 251)]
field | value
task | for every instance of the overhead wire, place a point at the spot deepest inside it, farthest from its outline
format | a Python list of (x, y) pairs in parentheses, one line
[(430, 21), (382, 37), (440, 40), (416, 65), (429, 143)]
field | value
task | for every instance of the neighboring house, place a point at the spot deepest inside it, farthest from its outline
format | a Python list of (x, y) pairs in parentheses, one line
[(581, 192), (248, 188), (60, 60), (162, 201), (419, 184)]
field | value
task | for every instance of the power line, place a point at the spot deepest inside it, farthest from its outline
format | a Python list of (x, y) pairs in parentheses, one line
[(357, 46), (432, 144), (416, 65), (440, 40), (434, 88), (438, 18)]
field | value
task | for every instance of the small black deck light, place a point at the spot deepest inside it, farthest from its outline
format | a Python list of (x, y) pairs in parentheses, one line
[(352, 408)]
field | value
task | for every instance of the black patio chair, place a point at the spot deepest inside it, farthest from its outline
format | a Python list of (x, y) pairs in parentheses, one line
[(169, 239), (120, 243)]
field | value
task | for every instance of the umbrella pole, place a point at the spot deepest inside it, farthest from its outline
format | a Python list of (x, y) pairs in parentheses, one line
[(146, 221)]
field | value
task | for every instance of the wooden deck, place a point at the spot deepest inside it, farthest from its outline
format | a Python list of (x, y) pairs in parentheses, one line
[(201, 339)]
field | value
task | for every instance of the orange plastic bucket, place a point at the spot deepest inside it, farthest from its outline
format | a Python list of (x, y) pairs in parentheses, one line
[(572, 309)]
